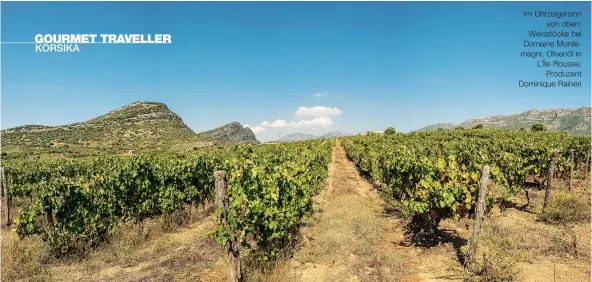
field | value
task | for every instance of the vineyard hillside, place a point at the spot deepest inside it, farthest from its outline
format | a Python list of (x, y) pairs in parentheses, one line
[(575, 121)]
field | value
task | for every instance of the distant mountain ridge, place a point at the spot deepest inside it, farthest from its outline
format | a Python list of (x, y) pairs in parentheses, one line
[(575, 121), (297, 137), (444, 125), (334, 134), (303, 136)]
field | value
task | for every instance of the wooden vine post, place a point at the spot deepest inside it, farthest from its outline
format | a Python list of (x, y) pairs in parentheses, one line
[(6, 198), (550, 178), (571, 169), (480, 208), (587, 163), (231, 246), (479, 214)]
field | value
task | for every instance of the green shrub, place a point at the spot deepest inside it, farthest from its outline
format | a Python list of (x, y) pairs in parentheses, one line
[(390, 131), (538, 127)]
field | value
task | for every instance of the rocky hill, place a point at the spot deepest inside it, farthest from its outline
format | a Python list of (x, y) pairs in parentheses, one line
[(138, 113), (303, 136), (232, 132), (575, 121), (139, 124), (136, 126)]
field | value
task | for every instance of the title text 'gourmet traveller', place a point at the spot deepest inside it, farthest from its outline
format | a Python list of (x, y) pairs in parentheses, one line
[(69, 42)]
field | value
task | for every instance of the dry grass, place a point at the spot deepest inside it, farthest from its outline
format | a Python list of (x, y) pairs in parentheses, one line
[(24, 258), (172, 247), (515, 246), (343, 241), (350, 228), (131, 236), (497, 256), (525, 245), (566, 207)]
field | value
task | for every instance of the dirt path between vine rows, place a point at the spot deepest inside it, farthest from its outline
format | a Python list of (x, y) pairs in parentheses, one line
[(349, 238)]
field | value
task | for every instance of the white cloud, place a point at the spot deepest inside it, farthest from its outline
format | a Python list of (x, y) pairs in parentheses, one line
[(277, 123), (315, 117), (305, 123), (320, 94), (318, 111), (256, 129)]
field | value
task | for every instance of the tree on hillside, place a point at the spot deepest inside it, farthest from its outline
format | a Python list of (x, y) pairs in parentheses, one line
[(478, 126), (459, 128), (390, 131), (538, 127)]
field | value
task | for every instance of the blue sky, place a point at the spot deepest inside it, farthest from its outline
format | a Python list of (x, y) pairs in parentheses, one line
[(378, 64)]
